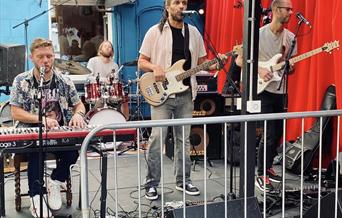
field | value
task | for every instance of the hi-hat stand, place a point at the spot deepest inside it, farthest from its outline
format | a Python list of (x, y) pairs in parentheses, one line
[(136, 115)]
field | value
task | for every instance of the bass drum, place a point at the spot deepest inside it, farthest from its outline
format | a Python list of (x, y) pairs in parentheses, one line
[(103, 116)]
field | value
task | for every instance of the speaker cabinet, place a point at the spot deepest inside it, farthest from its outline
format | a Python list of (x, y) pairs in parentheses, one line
[(211, 103), (213, 141), (12, 62), (235, 208)]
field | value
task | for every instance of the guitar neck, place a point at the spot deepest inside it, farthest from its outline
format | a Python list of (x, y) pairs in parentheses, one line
[(204, 66), (298, 58)]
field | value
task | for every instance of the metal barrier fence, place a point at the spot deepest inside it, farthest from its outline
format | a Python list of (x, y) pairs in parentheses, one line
[(244, 119)]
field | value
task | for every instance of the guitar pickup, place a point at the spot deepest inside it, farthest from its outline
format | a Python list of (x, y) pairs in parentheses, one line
[(156, 87), (165, 84)]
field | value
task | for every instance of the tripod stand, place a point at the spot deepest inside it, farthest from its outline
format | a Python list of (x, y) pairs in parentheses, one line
[(136, 114)]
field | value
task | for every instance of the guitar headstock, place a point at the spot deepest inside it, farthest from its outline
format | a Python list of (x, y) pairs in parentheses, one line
[(329, 46)]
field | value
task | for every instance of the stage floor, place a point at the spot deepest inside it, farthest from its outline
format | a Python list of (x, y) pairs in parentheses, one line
[(127, 191)]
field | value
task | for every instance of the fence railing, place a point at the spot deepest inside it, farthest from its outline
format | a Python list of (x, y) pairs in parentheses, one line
[(244, 119)]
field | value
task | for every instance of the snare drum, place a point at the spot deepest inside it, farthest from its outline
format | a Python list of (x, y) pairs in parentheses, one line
[(92, 92), (116, 93), (102, 116)]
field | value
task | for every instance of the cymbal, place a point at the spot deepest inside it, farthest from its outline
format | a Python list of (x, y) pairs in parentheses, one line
[(71, 66)]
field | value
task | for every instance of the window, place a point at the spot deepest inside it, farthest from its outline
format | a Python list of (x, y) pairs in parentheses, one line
[(76, 31)]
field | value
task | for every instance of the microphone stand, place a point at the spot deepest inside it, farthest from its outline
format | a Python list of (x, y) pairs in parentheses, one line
[(231, 194), (40, 139), (26, 23), (284, 77)]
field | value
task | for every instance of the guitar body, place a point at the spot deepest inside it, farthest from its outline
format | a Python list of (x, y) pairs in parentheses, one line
[(156, 93), (268, 65)]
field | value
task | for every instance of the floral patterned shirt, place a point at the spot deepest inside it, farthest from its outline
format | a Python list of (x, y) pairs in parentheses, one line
[(24, 93)]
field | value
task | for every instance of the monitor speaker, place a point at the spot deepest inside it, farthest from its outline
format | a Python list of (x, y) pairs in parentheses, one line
[(12, 62), (327, 207), (235, 208)]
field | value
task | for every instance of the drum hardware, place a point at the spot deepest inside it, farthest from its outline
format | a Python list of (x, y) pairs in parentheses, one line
[(137, 114)]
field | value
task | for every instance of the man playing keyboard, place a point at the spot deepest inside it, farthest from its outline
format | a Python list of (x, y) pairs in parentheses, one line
[(58, 96)]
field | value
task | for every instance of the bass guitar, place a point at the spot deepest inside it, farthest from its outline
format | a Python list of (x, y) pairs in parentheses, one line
[(156, 93)]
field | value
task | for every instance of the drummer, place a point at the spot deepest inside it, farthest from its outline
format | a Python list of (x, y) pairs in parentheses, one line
[(103, 64), (104, 67)]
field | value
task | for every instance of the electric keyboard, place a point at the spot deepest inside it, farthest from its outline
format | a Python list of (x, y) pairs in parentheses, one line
[(60, 136)]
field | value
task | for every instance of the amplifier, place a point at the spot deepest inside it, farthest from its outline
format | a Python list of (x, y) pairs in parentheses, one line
[(206, 84), (12, 62)]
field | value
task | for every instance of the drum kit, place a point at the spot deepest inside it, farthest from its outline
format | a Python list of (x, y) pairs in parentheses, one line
[(107, 101)]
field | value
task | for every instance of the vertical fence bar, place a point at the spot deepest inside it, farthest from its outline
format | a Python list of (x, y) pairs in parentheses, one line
[(162, 170), (245, 173), (225, 168), (183, 165), (283, 170), (320, 166), (302, 171), (115, 175), (139, 174), (264, 168), (337, 163), (205, 170)]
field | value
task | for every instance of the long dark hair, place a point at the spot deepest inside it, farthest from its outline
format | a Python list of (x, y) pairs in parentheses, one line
[(165, 15)]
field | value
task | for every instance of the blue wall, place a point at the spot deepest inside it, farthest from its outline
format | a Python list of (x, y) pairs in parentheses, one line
[(13, 12), (130, 23)]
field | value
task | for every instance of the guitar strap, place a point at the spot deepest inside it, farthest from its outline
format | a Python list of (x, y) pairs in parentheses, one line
[(186, 41), (186, 47)]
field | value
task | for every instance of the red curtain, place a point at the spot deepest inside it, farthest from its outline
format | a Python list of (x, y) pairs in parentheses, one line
[(307, 85)]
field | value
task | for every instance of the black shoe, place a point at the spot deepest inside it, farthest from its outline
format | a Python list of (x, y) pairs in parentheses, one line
[(151, 193), (273, 175), (263, 182), (189, 189)]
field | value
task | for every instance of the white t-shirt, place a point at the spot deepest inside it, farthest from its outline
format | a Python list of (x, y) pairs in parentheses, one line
[(270, 45), (96, 66)]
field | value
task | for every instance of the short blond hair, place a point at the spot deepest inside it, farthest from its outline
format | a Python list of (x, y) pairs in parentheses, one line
[(40, 43)]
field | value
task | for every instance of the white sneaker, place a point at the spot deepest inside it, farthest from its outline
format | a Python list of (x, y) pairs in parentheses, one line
[(54, 192), (35, 207)]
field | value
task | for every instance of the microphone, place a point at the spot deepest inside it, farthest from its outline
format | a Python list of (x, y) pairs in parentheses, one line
[(303, 19), (189, 13)]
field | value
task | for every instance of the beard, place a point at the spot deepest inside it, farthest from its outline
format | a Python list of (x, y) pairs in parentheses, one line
[(178, 18), (106, 54)]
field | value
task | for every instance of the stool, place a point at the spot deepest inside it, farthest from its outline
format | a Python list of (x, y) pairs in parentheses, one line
[(18, 159)]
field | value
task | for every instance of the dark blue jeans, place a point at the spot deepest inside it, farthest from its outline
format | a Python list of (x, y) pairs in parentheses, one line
[(63, 159), (270, 103)]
